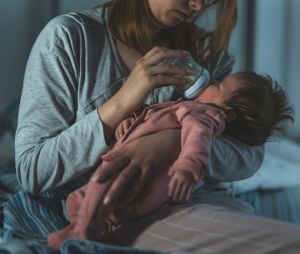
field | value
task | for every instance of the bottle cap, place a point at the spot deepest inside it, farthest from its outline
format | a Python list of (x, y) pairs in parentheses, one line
[(198, 86)]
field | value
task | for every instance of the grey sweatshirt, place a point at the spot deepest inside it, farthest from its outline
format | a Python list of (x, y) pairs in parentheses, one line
[(74, 68)]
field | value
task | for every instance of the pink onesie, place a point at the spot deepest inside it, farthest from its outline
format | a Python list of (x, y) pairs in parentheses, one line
[(199, 123)]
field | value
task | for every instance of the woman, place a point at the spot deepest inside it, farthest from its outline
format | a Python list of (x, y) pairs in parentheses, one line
[(88, 71)]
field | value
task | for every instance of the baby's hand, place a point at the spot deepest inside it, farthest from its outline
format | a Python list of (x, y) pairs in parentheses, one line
[(123, 127), (181, 185)]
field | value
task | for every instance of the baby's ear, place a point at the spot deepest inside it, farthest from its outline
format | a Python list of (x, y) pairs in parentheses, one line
[(230, 114)]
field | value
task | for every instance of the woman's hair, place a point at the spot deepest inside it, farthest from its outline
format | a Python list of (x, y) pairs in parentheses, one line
[(132, 23), (261, 107)]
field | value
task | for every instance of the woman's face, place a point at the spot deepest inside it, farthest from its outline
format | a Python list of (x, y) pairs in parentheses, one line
[(170, 13)]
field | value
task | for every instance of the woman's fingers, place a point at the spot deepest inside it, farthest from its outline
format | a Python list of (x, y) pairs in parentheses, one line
[(120, 183), (170, 70), (119, 133), (167, 74), (126, 126), (157, 54), (123, 128), (163, 74), (151, 67), (132, 119), (109, 156), (143, 157), (144, 176), (169, 80), (111, 166), (147, 75)]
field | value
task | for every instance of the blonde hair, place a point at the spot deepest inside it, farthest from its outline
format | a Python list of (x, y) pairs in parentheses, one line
[(132, 23)]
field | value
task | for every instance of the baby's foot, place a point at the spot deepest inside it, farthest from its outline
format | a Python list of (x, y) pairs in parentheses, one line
[(56, 239)]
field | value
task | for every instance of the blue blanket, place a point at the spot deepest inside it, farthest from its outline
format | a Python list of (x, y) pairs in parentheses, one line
[(70, 246), (30, 219)]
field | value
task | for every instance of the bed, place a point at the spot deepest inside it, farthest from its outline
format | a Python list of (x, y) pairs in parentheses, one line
[(274, 191)]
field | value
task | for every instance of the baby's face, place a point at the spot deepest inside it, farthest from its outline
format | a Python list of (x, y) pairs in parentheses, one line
[(220, 92)]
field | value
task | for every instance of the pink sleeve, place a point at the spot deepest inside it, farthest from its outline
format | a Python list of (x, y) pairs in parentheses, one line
[(199, 128)]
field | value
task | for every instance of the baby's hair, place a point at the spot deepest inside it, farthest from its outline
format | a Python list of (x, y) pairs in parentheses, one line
[(262, 108)]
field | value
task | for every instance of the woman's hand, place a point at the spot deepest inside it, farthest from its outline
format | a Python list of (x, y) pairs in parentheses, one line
[(148, 74), (136, 161)]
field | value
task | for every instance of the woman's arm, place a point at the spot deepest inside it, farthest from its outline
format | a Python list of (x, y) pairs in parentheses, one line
[(232, 160), (52, 148), (53, 145), (146, 75)]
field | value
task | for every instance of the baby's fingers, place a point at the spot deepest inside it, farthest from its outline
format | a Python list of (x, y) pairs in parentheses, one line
[(189, 193), (177, 191), (172, 187), (183, 191)]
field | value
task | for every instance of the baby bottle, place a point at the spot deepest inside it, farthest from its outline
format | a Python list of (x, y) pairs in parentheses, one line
[(197, 81)]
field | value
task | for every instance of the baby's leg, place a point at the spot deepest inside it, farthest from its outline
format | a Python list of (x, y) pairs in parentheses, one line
[(153, 195), (55, 239), (87, 214), (74, 201), (92, 215)]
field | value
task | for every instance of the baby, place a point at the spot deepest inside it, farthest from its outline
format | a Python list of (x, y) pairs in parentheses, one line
[(246, 106)]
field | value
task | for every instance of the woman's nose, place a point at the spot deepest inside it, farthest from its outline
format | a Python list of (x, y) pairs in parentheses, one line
[(196, 5)]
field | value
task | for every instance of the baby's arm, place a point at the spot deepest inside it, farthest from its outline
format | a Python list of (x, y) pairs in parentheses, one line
[(199, 128), (181, 185)]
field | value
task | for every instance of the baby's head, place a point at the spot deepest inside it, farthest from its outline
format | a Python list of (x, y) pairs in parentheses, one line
[(255, 104)]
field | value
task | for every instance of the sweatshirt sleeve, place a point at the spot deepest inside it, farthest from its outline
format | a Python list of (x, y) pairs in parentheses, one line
[(198, 130), (233, 160), (52, 148)]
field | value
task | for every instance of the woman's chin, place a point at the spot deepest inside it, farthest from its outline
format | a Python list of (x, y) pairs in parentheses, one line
[(170, 23)]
